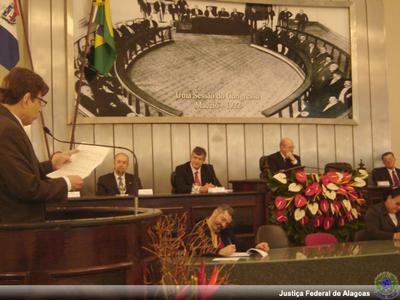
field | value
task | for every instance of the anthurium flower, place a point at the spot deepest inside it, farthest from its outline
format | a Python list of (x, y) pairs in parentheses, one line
[(300, 200), (341, 191), (304, 220), (324, 205), (353, 196), (358, 182), (280, 202), (318, 220), (295, 187), (346, 177), (333, 176), (349, 216), (313, 208), (301, 176), (328, 222), (299, 214), (349, 188), (347, 205), (332, 187), (280, 217), (354, 212), (341, 221), (339, 176), (360, 201), (281, 177), (363, 173), (330, 194), (336, 207), (313, 189)]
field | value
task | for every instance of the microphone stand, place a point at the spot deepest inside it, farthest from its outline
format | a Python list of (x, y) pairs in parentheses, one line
[(136, 168)]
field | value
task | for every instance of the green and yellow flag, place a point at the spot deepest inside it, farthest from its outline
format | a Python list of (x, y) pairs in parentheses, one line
[(104, 41)]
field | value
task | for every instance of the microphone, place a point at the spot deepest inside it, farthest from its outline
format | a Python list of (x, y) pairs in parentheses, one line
[(136, 167)]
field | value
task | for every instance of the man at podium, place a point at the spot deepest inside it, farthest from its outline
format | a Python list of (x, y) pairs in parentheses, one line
[(24, 188)]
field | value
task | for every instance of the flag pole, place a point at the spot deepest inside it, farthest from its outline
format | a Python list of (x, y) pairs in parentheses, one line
[(41, 119), (81, 74)]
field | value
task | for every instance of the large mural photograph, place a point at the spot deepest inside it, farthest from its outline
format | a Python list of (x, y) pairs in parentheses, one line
[(209, 59)]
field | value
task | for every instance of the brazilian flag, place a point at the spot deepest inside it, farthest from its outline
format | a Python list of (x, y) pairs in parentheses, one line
[(104, 54)]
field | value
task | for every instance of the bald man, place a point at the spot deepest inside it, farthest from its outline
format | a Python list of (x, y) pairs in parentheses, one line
[(285, 158)]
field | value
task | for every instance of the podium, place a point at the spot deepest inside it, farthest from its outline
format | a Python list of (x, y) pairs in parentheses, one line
[(85, 245)]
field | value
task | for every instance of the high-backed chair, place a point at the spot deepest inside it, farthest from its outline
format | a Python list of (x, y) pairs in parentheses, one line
[(338, 167), (274, 235), (172, 180), (320, 238), (264, 166)]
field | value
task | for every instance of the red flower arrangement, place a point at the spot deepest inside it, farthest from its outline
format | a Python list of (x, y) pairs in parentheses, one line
[(306, 203)]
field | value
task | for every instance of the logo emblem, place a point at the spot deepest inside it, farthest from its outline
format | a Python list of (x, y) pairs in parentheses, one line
[(386, 285)]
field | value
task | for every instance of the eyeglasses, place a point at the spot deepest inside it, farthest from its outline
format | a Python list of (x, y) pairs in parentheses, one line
[(43, 102)]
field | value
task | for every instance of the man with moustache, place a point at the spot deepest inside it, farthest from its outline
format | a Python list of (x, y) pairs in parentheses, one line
[(217, 236)]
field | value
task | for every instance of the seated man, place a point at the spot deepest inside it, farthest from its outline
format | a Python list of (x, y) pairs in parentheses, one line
[(283, 159), (389, 172), (213, 236), (382, 220), (195, 173), (223, 13), (119, 182)]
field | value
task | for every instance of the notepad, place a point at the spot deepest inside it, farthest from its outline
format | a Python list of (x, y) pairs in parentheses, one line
[(250, 252), (226, 259)]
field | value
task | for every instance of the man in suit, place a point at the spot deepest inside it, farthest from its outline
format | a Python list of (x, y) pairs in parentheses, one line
[(283, 159), (301, 20), (382, 220), (195, 173), (213, 236), (119, 181), (24, 188), (389, 172)]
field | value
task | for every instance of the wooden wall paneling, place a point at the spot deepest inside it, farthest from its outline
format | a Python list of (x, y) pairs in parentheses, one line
[(271, 138), (85, 133), (254, 149), (292, 131), (236, 152), (326, 145), (308, 147), (162, 157), (217, 154), (143, 148), (123, 137), (199, 136), (180, 144), (104, 134), (344, 145)]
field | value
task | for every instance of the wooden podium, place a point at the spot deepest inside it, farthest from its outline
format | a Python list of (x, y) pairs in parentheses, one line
[(85, 245)]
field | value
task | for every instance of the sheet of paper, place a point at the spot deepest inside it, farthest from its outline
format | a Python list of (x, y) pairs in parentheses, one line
[(226, 259), (240, 254), (83, 162)]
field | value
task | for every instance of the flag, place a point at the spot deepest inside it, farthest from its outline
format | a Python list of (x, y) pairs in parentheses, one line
[(104, 54), (9, 51)]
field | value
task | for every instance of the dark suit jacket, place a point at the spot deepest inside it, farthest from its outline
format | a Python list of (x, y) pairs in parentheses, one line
[(24, 188), (226, 236), (276, 162), (382, 174), (378, 223), (107, 185), (184, 180)]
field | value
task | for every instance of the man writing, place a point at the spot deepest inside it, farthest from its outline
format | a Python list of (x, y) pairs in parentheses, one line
[(24, 188), (195, 173), (119, 181), (216, 236)]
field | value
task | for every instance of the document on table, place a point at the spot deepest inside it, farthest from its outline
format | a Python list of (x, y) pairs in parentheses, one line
[(226, 259), (240, 254), (83, 162)]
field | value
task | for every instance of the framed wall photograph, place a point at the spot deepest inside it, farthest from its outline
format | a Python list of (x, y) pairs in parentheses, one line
[(186, 61)]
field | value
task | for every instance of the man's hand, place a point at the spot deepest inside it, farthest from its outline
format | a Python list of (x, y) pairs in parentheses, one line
[(263, 246), (289, 155), (228, 250), (60, 158), (76, 182), (204, 188)]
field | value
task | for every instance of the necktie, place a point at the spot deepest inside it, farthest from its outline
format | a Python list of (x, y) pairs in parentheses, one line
[(197, 178), (396, 181), (121, 186)]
